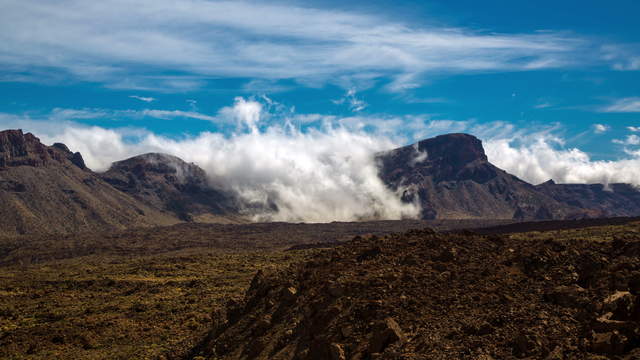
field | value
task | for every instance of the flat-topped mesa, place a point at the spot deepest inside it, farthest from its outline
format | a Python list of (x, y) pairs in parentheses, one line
[(454, 149), (450, 157)]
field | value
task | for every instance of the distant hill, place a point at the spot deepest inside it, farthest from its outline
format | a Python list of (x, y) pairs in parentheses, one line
[(168, 183), (451, 177), (46, 189)]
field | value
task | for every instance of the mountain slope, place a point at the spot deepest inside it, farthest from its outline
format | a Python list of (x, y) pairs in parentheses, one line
[(597, 200), (451, 178), (170, 184), (48, 189)]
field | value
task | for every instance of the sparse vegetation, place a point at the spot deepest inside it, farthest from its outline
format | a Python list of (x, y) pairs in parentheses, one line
[(119, 307)]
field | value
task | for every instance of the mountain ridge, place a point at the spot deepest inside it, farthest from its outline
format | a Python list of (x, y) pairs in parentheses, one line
[(50, 188)]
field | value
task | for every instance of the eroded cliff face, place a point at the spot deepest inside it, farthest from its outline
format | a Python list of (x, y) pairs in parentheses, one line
[(19, 149)]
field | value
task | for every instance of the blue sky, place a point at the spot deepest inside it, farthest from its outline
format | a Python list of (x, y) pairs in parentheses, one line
[(514, 71)]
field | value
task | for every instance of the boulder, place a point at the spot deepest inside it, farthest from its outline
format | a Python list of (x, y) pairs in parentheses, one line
[(388, 332)]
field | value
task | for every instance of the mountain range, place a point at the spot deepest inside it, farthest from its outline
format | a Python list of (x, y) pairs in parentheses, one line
[(50, 189)]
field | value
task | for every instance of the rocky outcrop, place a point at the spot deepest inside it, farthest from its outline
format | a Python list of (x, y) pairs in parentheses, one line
[(595, 200)]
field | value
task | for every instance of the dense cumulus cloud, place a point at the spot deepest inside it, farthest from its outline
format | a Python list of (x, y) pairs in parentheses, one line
[(325, 174), (542, 159)]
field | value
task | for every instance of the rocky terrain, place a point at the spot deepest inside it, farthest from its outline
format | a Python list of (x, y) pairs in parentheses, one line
[(170, 184), (179, 292), (49, 189), (451, 177), (571, 294)]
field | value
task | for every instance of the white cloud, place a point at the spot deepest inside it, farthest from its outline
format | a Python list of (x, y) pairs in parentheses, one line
[(143, 98), (323, 174), (543, 105), (77, 114), (623, 58), (629, 140), (600, 128), (624, 105), (353, 102), (540, 160), (170, 114), (130, 44), (633, 128), (245, 113)]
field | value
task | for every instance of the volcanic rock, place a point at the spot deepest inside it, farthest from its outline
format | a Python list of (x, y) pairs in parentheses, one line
[(388, 332)]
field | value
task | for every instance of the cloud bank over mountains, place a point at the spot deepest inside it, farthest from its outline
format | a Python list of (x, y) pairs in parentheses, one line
[(326, 171)]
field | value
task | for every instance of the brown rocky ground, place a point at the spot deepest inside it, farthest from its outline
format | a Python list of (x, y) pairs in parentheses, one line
[(153, 293), (119, 307), (144, 293), (566, 294)]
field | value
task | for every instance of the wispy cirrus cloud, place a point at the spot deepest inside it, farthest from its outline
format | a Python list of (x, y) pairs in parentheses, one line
[(172, 114), (543, 105), (143, 98), (105, 41), (351, 99), (623, 58), (624, 105)]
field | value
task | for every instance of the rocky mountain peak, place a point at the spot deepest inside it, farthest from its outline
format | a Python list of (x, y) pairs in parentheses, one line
[(450, 157), (20, 149), (171, 168), (168, 183), (17, 148), (454, 149)]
